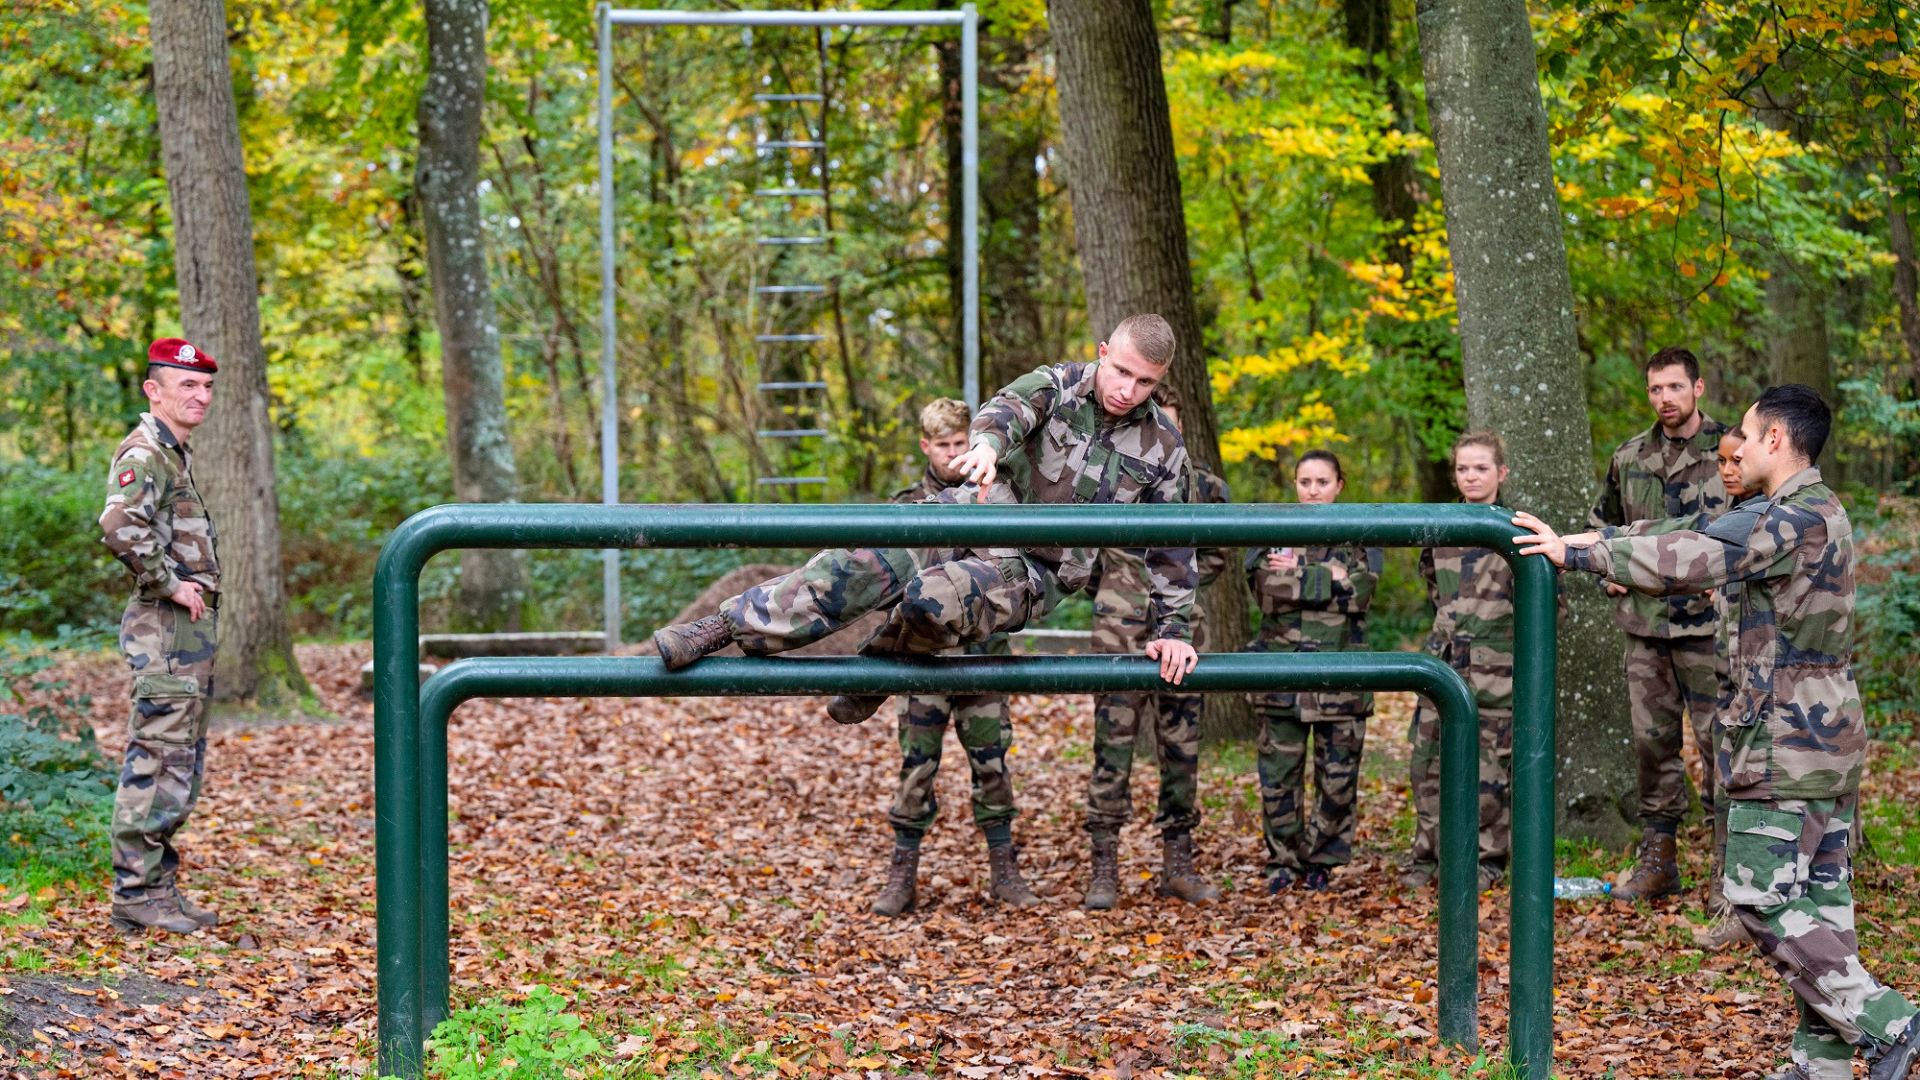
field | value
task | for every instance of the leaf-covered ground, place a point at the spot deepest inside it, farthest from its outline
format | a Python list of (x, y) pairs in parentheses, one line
[(694, 876)]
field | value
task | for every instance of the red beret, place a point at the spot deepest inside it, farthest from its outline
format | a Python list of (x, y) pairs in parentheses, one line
[(180, 353)]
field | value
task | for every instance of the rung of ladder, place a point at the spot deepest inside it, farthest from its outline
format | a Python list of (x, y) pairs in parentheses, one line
[(791, 193), (780, 290), (788, 481), (790, 337), (793, 433), (766, 386), (788, 97), (771, 241), (793, 144)]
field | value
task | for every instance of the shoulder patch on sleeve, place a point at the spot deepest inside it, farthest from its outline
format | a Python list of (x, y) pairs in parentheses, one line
[(125, 477)]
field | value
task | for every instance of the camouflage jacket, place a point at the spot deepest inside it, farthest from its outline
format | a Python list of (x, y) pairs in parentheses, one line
[(1308, 609), (155, 521), (1120, 595), (927, 487), (1794, 728), (1652, 477), (1472, 594), (1069, 450)]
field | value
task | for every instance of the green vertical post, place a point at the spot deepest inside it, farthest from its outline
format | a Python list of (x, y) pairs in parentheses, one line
[(1530, 925)]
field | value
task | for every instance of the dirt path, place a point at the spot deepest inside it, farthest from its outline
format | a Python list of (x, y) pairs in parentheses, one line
[(695, 874)]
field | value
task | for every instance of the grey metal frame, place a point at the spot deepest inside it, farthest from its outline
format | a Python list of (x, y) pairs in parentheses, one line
[(606, 18)]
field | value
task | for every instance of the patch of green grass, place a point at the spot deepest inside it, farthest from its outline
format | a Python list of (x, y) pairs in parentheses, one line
[(24, 959), (1893, 831), (1250, 1054), (1578, 858)]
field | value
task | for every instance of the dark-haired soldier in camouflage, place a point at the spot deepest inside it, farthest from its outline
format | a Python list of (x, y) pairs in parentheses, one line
[(980, 721), (1668, 471), (1121, 624), (157, 526), (1793, 739), (1311, 599)]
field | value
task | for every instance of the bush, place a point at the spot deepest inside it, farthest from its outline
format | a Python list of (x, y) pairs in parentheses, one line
[(56, 789), (1887, 614), (534, 1040), (53, 568)]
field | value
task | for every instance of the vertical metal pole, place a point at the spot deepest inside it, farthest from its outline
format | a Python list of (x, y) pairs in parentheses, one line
[(1459, 841), (404, 1020), (609, 383), (970, 202), (1530, 1026)]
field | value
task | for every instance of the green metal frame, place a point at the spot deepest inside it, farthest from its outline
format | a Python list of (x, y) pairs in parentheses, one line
[(410, 725)]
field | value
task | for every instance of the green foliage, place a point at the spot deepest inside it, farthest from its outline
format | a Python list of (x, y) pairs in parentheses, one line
[(534, 1040), (53, 569), (56, 788)]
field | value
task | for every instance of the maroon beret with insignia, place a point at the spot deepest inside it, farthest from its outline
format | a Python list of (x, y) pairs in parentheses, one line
[(180, 353)]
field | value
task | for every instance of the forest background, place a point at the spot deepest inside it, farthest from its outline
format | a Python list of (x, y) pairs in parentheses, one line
[(1762, 223)]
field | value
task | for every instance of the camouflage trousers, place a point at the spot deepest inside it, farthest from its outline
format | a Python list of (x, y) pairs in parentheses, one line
[(934, 599), (1327, 839), (1665, 678), (1788, 876), (1117, 721), (172, 661), (985, 733), (1496, 772)]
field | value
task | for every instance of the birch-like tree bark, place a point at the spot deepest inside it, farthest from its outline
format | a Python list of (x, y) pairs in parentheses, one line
[(220, 312), (1520, 356), (1130, 228), (471, 370)]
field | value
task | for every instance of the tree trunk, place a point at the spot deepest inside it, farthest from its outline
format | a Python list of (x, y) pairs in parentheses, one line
[(448, 180), (1131, 232), (1906, 288), (1520, 355), (220, 311)]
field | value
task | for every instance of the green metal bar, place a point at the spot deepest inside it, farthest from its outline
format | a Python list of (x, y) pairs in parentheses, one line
[(408, 1011)]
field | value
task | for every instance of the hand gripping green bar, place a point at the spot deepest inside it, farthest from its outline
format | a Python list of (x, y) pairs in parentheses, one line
[(410, 746)]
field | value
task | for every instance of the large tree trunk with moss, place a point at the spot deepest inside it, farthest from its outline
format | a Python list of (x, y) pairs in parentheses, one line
[(491, 592), (1131, 231), (1522, 363), (220, 312)]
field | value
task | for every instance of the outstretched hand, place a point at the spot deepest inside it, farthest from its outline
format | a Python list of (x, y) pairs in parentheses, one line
[(1540, 539), (1176, 658), (980, 464)]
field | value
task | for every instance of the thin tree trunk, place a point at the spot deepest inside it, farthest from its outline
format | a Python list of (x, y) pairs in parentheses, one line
[(491, 591), (1131, 231), (1906, 288), (1518, 348), (220, 311)]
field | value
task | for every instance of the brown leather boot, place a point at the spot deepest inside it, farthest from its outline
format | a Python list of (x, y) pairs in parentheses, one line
[(158, 911), (1656, 873), (1104, 890), (683, 643), (854, 708), (898, 895), (1177, 878), (1008, 886), (201, 915)]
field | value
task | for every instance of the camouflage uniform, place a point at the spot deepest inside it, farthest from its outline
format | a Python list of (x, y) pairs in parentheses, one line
[(1669, 660), (1056, 445), (1472, 594), (156, 524), (1792, 743), (1308, 609), (1120, 626), (980, 721)]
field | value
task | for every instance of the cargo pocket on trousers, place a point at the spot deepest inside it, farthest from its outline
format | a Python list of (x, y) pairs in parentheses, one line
[(165, 708), (1763, 855)]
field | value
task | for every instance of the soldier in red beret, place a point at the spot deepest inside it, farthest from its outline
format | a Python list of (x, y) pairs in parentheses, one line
[(156, 524)]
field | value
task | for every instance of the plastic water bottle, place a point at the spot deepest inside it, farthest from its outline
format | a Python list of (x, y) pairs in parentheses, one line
[(1580, 888)]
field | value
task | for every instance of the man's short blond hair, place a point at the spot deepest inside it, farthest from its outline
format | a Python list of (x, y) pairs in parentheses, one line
[(1150, 336), (944, 416)]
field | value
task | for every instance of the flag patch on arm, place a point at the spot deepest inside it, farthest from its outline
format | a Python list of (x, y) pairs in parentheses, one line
[(125, 477)]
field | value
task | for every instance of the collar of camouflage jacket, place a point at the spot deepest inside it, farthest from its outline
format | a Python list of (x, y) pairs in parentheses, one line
[(1806, 477), (163, 434), (1702, 443)]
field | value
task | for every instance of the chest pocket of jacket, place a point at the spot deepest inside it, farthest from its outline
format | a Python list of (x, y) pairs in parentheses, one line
[(1057, 445), (1131, 479)]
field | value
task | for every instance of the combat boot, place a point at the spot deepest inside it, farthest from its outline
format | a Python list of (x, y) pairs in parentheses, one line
[(854, 708), (1895, 1060), (158, 911), (1177, 878), (683, 643), (201, 915), (1104, 890), (898, 895), (1656, 872), (1008, 886)]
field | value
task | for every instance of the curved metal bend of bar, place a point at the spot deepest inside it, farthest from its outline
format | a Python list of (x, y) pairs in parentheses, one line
[(410, 724)]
